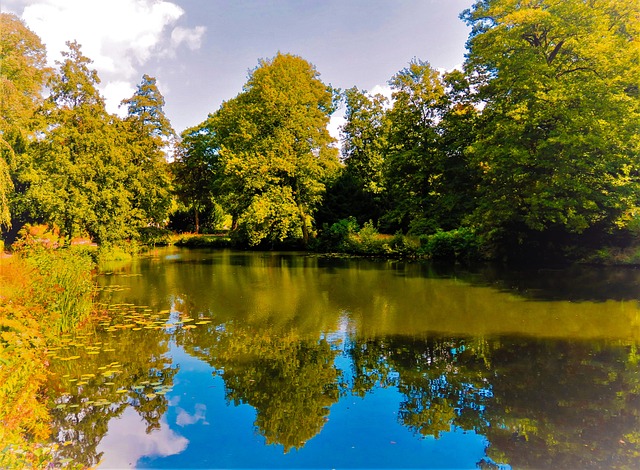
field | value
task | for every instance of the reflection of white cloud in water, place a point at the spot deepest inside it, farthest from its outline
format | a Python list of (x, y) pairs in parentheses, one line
[(185, 419), (127, 441)]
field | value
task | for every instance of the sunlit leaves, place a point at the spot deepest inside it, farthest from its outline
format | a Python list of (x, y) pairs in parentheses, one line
[(265, 154), (90, 173), (560, 118), (147, 135), (23, 73)]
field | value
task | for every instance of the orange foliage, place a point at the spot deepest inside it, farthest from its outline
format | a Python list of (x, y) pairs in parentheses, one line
[(24, 417)]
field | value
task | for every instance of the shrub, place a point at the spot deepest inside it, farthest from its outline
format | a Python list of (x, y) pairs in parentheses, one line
[(204, 241), (368, 241), (403, 246), (123, 251), (336, 237), (36, 237), (460, 243), (152, 236)]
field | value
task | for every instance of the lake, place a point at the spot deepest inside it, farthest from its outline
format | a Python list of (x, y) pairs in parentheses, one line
[(219, 359)]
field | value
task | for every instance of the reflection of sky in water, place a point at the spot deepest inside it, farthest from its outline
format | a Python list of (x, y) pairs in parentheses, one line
[(126, 441), (360, 432)]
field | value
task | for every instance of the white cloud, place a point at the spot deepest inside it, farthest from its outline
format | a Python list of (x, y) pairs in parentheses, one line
[(186, 419), (114, 92), (127, 441), (191, 37), (120, 36)]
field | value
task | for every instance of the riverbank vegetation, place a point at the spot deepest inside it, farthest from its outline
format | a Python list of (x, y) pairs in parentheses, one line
[(530, 151), (43, 294)]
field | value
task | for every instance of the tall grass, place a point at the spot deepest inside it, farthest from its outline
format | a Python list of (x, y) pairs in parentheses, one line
[(62, 286)]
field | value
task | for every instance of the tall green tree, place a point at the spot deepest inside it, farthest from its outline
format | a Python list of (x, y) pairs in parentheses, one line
[(558, 143), (23, 73), (149, 134), (75, 178), (273, 150), (413, 158), (456, 188), (197, 173), (364, 137), (359, 190)]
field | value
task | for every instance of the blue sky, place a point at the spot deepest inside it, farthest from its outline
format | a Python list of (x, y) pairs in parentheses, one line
[(201, 50)]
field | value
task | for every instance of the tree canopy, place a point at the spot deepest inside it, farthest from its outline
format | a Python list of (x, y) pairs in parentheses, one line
[(268, 151), (75, 166), (23, 74), (558, 140)]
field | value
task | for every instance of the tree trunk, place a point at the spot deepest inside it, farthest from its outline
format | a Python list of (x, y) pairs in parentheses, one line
[(305, 229)]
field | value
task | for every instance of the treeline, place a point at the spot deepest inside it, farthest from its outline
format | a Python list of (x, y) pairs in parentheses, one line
[(533, 147)]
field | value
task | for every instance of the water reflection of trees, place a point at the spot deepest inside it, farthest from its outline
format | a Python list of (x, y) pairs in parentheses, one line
[(541, 404), (561, 404), (82, 412), (444, 382), (290, 381)]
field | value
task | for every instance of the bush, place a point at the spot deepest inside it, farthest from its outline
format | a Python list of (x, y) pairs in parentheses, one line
[(336, 237), (36, 237), (403, 246), (615, 256), (152, 236), (368, 241), (461, 243), (204, 241), (345, 236)]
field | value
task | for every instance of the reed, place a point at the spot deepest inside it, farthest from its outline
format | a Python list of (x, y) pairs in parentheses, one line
[(63, 286)]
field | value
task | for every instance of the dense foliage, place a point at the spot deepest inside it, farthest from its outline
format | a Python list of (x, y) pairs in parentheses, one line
[(266, 153), (533, 145), (68, 163), (558, 138)]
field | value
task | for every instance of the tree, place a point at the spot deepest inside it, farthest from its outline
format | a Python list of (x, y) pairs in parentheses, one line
[(413, 162), (6, 186), (149, 132), (364, 138), (558, 142), (75, 178), (275, 151), (197, 172), (145, 108), (457, 185), (358, 192), (22, 77)]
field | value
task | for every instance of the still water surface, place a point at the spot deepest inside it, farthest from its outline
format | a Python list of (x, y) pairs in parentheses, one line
[(218, 359)]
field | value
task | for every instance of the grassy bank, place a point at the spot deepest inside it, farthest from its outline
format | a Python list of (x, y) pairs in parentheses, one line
[(43, 294)]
